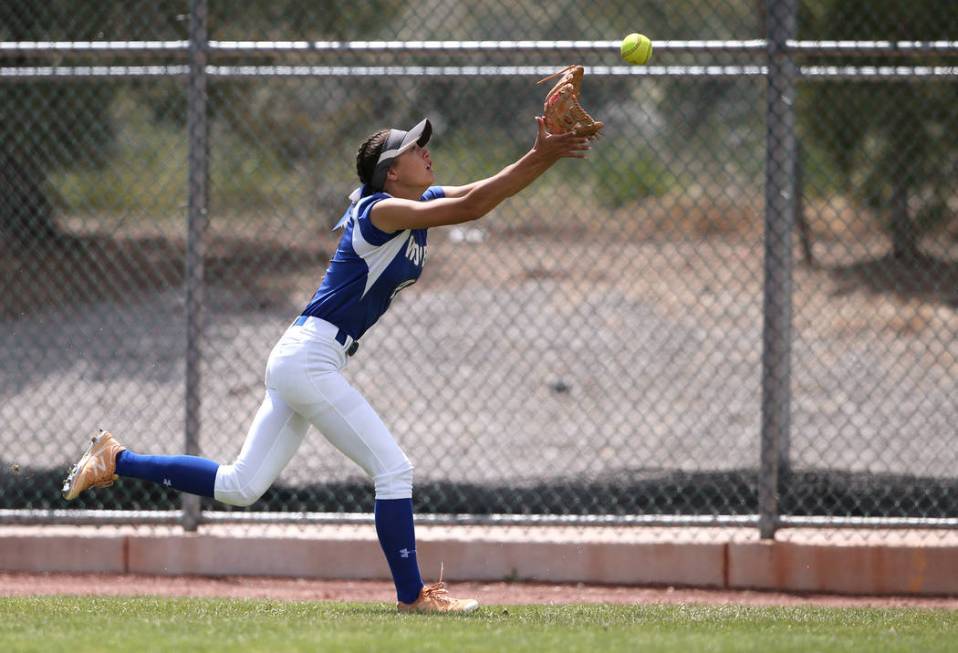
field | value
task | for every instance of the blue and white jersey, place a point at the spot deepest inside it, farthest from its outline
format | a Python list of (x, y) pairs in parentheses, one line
[(370, 266)]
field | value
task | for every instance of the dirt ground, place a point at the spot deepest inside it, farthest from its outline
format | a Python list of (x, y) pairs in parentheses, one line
[(536, 348), (501, 593)]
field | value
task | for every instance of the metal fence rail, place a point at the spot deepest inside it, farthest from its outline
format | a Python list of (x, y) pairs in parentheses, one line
[(822, 73), (760, 492), (707, 47)]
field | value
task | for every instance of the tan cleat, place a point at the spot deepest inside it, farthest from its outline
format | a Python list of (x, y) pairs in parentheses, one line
[(97, 467), (435, 598)]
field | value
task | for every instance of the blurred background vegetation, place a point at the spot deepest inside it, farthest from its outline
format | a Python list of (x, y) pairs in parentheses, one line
[(103, 147), (623, 297)]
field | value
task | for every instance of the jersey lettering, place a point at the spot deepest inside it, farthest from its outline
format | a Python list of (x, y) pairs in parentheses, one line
[(415, 252)]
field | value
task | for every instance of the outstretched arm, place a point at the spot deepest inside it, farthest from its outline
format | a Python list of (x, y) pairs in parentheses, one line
[(475, 200), (453, 192)]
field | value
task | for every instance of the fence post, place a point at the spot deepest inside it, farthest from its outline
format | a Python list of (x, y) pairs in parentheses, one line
[(780, 153), (195, 245)]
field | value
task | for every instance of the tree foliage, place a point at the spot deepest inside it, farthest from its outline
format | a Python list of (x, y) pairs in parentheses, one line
[(42, 122), (892, 142), (47, 124)]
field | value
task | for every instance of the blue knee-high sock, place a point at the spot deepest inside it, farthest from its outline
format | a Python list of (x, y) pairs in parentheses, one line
[(185, 473), (397, 536)]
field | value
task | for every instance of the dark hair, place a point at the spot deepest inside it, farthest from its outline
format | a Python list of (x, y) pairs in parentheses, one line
[(368, 154)]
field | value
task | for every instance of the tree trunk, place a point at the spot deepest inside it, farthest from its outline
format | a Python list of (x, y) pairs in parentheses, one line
[(904, 235), (804, 231), (26, 214)]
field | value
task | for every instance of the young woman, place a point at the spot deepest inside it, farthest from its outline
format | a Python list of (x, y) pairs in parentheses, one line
[(382, 250)]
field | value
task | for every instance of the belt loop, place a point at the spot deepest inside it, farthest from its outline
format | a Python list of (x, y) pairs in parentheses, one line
[(347, 342), (344, 339)]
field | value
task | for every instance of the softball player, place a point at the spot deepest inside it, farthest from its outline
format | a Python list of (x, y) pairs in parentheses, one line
[(382, 251)]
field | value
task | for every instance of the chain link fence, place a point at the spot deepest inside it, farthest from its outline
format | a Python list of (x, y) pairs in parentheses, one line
[(741, 310)]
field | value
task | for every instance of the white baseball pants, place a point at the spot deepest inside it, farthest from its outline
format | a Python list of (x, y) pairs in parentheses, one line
[(304, 386)]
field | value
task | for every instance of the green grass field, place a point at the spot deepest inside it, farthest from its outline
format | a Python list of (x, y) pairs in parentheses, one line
[(153, 624)]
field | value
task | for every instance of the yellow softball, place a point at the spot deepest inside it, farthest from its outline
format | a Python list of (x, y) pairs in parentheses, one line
[(636, 48)]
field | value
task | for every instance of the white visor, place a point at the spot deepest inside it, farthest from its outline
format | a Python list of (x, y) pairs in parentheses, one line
[(397, 142)]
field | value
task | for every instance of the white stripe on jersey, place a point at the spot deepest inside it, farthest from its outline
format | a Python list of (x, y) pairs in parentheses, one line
[(376, 257)]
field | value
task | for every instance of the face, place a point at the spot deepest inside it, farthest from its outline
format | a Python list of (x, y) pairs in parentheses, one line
[(413, 168)]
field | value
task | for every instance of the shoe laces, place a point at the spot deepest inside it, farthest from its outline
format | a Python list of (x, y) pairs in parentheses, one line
[(437, 591)]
